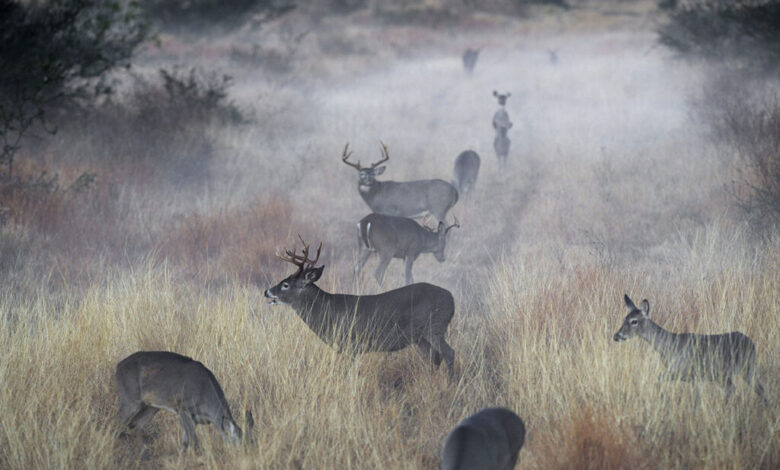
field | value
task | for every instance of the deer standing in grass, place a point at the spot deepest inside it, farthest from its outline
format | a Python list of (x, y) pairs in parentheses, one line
[(416, 314), (487, 440), (398, 237), (690, 356), (501, 124), (150, 381), (464, 176), (403, 199)]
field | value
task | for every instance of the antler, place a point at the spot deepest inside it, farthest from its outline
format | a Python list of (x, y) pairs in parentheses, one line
[(385, 155), (302, 261), (456, 224), (345, 156)]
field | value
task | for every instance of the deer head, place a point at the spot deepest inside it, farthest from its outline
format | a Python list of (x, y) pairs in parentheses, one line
[(367, 174), (292, 286), (635, 322), (442, 231)]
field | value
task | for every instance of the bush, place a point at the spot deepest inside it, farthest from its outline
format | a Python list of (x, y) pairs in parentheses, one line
[(746, 117), (55, 53), (746, 32), (161, 129)]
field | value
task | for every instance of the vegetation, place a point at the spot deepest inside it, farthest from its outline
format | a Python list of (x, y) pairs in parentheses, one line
[(198, 179)]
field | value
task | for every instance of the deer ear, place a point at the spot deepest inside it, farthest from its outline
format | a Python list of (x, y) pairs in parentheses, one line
[(646, 308), (380, 170), (313, 274), (629, 304)]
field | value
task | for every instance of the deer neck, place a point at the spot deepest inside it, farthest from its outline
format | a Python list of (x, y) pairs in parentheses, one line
[(366, 190), (431, 242), (660, 339)]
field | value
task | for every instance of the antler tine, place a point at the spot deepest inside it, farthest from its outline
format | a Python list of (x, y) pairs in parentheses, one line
[(313, 262), (456, 224), (305, 256), (385, 155), (345, 157)]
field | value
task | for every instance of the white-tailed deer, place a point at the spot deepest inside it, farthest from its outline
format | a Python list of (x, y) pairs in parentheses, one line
[(488, 440), (416, 314), (404, 199), (501, 124), (150, 381), (464, 176), (470, 57), (398, 237), (689, 356)]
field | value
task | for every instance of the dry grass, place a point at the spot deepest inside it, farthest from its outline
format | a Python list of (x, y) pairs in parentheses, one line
[(609, 191)]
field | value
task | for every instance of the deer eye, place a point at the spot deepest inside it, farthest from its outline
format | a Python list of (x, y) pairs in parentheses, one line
[(633, 322), (285, 285)]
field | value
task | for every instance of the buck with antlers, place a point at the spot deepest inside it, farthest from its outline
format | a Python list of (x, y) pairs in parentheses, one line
[(402, 199), (416, 314), (398, 237)]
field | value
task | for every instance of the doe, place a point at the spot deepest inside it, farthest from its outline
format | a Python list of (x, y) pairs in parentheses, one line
[(487, 440), (690, 356)]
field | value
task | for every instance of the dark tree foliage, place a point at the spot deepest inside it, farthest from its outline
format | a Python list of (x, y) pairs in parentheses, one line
[(199, 14), (58, 53), (744, 32)]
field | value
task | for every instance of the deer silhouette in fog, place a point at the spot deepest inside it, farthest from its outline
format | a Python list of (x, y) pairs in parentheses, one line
[(487, 440), (501, 124)]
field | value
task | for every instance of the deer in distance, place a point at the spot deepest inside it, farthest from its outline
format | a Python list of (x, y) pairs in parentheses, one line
[(501, 124), (464, 175), (415, 314), (470, 57), (398, 237), (689, 356), (150, 381), (402, 199), (487, 440)]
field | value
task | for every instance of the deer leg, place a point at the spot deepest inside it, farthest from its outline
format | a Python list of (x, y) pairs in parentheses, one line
[(439, 344), (380, 270), (143, 417), (362, 258), (189, 436), (431, 354), (127, 410), (409, 263)]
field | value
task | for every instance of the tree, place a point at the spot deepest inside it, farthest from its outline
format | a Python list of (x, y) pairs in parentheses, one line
[(56, 54)]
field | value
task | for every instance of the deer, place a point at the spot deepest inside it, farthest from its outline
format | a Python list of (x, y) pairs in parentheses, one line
[(150, 381), (402, 199), (470, 57), (464, 175), (415, 314), (501, 124), (690, 356), (398, 237), (487, 440)]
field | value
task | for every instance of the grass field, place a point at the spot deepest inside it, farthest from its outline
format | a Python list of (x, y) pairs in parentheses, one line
[(613, 187)]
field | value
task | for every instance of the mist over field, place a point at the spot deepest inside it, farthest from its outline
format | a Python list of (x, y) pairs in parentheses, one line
[(628, 173)]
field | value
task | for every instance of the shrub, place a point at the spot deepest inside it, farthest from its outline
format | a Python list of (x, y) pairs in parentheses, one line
[(745, 32), (55, 54)]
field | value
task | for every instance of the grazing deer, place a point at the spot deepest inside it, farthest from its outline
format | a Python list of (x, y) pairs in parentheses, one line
[(416, 314), (150, 381), (406, 199), (464, 176), (501, 124), (488, 440), (398, 237), (689, 356), (470, 57)]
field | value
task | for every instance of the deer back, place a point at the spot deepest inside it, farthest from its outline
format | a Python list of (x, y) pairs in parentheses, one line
[(397, 236)]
